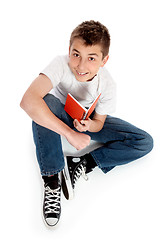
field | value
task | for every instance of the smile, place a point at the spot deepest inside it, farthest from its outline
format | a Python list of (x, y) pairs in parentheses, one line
[(81, 74)]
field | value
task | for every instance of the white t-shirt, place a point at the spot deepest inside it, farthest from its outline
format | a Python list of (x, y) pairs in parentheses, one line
[(64, 82)]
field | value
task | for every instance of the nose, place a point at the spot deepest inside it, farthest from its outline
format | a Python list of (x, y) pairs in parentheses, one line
[(81, 64)]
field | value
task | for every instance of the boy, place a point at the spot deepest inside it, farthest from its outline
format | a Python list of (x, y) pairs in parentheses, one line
[(82, 73)]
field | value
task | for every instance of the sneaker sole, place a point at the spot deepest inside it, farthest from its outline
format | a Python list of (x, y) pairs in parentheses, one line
[(66, 182)]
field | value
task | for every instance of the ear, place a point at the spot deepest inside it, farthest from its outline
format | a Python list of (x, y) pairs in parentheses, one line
[(69, 50), (105, 59)]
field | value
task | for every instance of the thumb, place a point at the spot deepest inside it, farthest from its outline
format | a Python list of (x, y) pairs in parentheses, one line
[(75, 122), (83, 122)]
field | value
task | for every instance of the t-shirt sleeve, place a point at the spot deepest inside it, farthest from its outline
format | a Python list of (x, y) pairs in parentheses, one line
[(54, 70), (107, 102)]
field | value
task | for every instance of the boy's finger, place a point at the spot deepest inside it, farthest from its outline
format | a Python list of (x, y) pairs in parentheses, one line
[(83, 122)]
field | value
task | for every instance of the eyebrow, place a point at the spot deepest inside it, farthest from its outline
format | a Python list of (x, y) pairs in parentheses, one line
[(90, 54)]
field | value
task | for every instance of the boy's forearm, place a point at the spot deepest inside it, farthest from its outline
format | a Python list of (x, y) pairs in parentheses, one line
[(39, 112), (96, 126)]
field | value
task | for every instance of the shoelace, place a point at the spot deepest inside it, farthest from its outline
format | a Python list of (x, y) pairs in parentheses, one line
[(52, 200), (81, 170)]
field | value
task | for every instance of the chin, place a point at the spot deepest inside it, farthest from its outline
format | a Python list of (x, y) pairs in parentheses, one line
[(82, 79)]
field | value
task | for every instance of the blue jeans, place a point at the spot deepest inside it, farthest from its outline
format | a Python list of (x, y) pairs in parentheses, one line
[(122, 141)]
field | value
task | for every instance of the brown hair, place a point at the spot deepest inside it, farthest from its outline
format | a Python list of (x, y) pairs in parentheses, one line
[(92, 33)]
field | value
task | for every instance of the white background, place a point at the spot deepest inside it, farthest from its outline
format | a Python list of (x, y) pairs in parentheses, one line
[(124, 204)]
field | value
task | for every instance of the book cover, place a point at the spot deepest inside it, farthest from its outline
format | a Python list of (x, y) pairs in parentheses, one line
[(76, 110)]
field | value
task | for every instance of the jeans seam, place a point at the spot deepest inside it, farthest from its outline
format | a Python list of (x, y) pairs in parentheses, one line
[(51, 172), (40, 148), (98, 163), (96, 160), (41, 158)]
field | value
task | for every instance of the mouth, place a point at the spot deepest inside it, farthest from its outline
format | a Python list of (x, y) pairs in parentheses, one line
[(81, 73)]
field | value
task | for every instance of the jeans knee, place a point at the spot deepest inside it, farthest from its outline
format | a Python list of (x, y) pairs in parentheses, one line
[(53, 103), (149, 142), (49, 99)]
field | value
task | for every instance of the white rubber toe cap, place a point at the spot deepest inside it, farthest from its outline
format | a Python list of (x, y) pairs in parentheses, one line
[(51, 221)]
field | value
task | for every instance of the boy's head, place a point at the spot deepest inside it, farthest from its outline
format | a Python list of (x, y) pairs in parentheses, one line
[(88, 51), (92, 33)]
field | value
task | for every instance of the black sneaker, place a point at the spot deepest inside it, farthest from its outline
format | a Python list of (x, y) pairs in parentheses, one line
[(74, 168), (52, 202)]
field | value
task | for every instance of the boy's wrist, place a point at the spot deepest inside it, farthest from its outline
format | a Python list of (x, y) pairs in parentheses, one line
[(68, 133), (95, 126)]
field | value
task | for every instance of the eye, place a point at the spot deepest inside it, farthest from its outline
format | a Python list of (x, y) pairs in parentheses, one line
[(75, 54), (91, 59)]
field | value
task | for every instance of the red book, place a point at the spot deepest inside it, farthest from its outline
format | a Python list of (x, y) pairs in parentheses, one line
[(76, 110)]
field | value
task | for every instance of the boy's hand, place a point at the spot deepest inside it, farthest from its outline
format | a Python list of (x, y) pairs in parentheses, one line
[(92, 125), (83, 125), (78, 140)]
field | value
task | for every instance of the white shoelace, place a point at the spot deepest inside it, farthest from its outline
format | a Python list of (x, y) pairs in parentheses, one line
[(52, 200), (81, 170)]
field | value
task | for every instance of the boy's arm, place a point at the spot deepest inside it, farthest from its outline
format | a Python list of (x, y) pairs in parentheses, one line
[(34, 105), (92, 125)]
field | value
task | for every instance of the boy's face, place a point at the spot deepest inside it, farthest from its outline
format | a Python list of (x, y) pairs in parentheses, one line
[(85, 61)]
